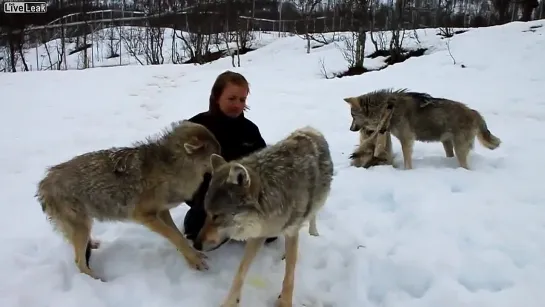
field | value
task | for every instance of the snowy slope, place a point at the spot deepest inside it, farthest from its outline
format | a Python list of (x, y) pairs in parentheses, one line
[(126, 42), (433, 236)]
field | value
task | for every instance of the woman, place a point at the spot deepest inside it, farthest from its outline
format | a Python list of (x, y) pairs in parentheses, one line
[(237, 135)]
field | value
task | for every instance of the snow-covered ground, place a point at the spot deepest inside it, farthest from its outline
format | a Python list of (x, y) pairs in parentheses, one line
[(437, 235)]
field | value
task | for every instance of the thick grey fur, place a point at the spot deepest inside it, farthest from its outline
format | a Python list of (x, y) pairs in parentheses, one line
[(139, 183), (422, 117)]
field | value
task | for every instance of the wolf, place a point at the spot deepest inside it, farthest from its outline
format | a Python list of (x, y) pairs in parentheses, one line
[(375, 146), (138, 184), (422, 117), (271, 192)]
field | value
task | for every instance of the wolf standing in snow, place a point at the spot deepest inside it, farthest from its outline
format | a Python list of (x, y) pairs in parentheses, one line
[(421, 117), (270, 192), (138, 184)]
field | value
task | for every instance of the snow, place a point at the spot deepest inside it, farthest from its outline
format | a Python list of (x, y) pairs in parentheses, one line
[(128, 43), (437, 235)]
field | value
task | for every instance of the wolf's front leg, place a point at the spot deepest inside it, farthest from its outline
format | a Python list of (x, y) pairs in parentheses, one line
[(286, 296), (250, 251), (407, 149), (313, 228), (155, 223)]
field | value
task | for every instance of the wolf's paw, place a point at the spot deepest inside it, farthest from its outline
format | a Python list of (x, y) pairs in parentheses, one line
[(281, 302), (94, 243), (87, 271), (231, 302), (196, 260), (313, 232)]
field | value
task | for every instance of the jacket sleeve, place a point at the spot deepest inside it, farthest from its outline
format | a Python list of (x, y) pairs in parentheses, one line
[(259, 142), (197, 119)]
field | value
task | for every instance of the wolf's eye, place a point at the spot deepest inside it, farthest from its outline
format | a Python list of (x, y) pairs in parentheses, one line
[(215, 217)]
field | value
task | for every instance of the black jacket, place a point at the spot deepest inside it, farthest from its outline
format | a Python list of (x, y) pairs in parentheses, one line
[(238, 137)]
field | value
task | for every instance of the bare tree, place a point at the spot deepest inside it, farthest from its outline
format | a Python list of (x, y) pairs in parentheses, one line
[(244, 37), (397, 31), (153, 49), (83, 57), (329, 11), (134, 40), (112, 41), (354, 41), (198, 45), (528, 7), (502, 10), (149, 40), (21, 49), (196, 40), (14, 36), (447, 7), (307, 9), (3, 59), (177, 51), (243, 28), (53, 63), (177, 48), (378, 38), (227, 37)]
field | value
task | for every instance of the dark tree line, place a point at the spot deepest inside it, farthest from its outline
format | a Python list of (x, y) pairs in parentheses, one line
[(220, 22)]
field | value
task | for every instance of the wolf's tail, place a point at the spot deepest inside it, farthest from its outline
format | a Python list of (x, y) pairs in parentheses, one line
[(485, 137), (48, 203), (53, 208)]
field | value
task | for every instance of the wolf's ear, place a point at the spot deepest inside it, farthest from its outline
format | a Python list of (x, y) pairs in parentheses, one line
[(352, 101), (239, 175), (216, 161), (193, 145)]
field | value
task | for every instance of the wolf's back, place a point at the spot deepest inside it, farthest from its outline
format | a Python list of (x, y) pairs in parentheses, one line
[(319, 149), (300, 157)]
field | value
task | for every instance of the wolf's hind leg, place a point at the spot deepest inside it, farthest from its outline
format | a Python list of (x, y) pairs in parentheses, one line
[(313, 229), (462, 151), (449, 148), (80, 239)]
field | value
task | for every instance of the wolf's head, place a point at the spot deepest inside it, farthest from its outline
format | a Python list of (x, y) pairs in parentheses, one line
[(367, 110), (193, 141), (230, 204)]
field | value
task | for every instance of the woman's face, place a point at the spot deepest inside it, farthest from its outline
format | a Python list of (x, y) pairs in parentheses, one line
[(233, 100)]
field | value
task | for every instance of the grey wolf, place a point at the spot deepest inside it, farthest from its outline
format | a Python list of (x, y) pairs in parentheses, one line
[(421, 117), (238, 137), (271, 192), (139, 184), (375, 146)]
